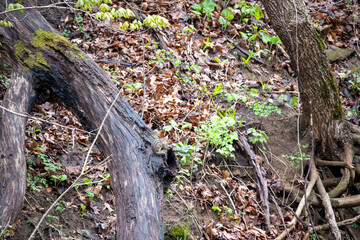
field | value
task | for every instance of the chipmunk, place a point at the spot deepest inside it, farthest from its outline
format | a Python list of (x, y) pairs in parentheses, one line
[(160, 146)]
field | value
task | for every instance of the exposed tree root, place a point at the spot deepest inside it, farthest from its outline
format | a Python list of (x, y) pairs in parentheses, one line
[(329, 201), (292, 224), (340, 224), (333, 164), (345, 202), (329, 212), (345, 180), (331, 182), (349, 229)]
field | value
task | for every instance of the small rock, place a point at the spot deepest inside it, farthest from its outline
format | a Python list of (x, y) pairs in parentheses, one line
[(338, 54)]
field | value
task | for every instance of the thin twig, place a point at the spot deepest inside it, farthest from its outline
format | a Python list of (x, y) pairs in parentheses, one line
[(229, 197), (340, 224), (54, 5), (144, 83), (42, 120)]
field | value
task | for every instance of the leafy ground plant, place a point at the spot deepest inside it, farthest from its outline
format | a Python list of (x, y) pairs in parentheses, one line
[(257, 136), (218, 133), (298, 158), (206, 7)]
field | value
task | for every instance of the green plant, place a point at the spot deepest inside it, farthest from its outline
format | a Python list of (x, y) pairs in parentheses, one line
[(186, 152), (281, 98), (354, 80), (253, 92), (32, 182), (108, 13), (206, 7), (352, 112), (162, 56), (60, 178), (154, 21), (257, 136), (249, 10), (235, 96), (87, 181), (188, 30), (229, 210), (247, 60), (219, 61), (216, 208), (223, 22), (267, 39), (49, 165), (90, 195), (264, 109), (298, 158), (51, 217), (35, 182), (218, 89), (206, 44), (83, 207), (6, 83), (66, 32), (294, 101), (218, 133), (6, 230), (59, 207), (228, 14), (134, 86)]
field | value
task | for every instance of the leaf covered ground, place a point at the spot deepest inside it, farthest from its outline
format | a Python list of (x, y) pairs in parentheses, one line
[(222, 73)]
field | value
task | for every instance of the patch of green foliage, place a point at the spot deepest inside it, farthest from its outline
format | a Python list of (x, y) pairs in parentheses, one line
[(218, 133), (48, 174), (206, 7), (257, 136), (298, 158)]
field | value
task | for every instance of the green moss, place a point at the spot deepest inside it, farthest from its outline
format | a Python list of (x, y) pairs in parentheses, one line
[(319, 41), (43, 39), (178, 232), (36, 59), (325, 93), (337, 112), (28, 58), (21, 50), (333, 81), (330, 93)]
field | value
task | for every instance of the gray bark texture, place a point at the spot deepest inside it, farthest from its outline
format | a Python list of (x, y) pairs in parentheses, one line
[(318, 87)]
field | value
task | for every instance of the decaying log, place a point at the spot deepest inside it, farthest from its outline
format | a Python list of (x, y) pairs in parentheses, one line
[(259, 173), (45, 62)]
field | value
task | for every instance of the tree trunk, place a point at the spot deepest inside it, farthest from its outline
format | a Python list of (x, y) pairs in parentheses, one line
[(44, 61), (318, 88)]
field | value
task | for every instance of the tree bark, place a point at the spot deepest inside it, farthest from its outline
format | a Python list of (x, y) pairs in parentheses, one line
[(318, 88), (45, 61)]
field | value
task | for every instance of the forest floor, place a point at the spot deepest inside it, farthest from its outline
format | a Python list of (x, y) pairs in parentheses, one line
[(213, 69)]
